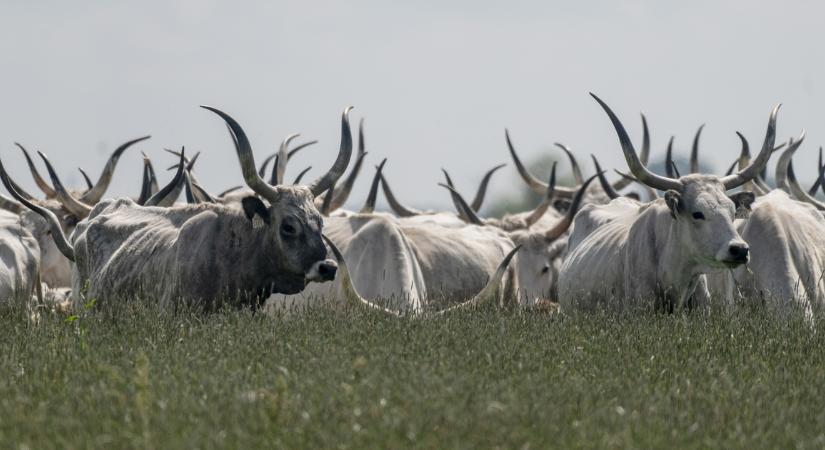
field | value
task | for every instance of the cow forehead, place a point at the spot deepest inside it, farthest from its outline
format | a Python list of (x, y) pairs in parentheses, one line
[(295, 200)]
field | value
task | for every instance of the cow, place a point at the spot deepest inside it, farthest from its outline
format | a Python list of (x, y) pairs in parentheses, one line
[(657, 253), (205, 254), (19, 259)]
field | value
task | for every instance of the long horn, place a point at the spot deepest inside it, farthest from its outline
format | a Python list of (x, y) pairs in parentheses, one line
[(636, 167), (268, 159), (562, 226), (399, 209), (644, 155), (465, 212), (245, 157), (86, 178), (607, 187), (539, 211), (456, 203), (574, 165), (491, 293), (54, 225), (94, 194), (230, 190), (482, 188), (694, 151), (732, 167), (533, 183), (675, 169), (758, 184), (326, 203), (149, 183), (279, 169), (818, 182), (369, 205), (785, 159), (187, 182), (341, 194), (169, 194), (753, 169), (301, 175), (76, 207), (800, 193), (38, 180), (652, 193), (345, 152), (670, 166)]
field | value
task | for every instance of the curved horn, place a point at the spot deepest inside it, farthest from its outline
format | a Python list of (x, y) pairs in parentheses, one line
[(38, 180), (800, 193), (169, 194), (187, 182), (279, 169), (73, 205), (341, 194), (345, 152), (785, 159), (456, 203), (94, 194), (562, 226), (482, 188), (492, 292), (326, 203), (86, 178), (149, 184), (694, 151), (369, 205), (731, 168), (753, 169), (301, 175), (818, 182), (636, 167), (574, 165), (399, 209), (245, 157), (230, 190), (466, 213), (54, 225), (539, 211), (670, 166), (298, 148), (644, 156), (675, 169), (630, 178), (532, 182), (607, 187)]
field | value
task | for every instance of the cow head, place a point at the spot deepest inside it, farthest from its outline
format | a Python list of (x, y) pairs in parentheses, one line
[(287, 217), (699, 204)]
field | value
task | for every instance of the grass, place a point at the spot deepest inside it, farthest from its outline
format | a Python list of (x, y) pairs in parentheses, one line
[(144, 379)]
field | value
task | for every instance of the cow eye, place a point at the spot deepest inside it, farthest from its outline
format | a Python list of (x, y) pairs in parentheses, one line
[(545, 269), (698, 216), (288, 230)]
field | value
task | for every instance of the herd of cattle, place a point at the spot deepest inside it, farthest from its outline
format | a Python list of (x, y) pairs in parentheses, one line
[(707, 238)]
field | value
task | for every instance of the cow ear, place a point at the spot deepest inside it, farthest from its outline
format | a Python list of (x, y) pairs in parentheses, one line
[(255, 210), (742, 201), (674, 202), (561, 205)]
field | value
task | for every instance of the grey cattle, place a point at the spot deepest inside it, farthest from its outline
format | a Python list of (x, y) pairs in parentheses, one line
[(19, 259), (207, 253), (657, 253)]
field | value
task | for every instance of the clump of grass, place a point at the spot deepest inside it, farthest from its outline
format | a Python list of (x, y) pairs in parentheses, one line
[(143, 377)]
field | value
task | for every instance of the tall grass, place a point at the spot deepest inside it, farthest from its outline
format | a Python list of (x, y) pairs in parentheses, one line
[(143, 378)]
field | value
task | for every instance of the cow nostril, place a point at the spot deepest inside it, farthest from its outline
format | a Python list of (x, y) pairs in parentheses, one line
[(327, 270), (738, 251)]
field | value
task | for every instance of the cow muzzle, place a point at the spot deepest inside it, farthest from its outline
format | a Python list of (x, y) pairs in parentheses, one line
[(322, 271), (736, 253)]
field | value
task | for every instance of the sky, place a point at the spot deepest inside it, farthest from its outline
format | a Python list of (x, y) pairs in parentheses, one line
[(435, 81)]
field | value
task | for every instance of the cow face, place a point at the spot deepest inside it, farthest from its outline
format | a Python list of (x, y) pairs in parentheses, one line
[(293, 226), (537, 271), (704, 216), (55, 269)]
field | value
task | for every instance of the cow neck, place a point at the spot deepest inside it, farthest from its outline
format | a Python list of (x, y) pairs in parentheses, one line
[(677, 268)]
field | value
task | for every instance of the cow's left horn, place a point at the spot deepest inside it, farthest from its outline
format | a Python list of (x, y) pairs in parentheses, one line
[(325, 182), (753, 169), (76, 207), (94, 194)]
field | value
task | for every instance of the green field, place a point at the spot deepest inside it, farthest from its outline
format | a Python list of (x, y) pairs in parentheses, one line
[(475, 379)]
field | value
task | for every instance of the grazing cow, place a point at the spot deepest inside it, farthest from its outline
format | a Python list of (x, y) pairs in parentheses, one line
[(658, 253), (204, 254)]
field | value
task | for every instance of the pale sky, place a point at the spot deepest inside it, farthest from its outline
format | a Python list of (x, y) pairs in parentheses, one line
[(437, 82)]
